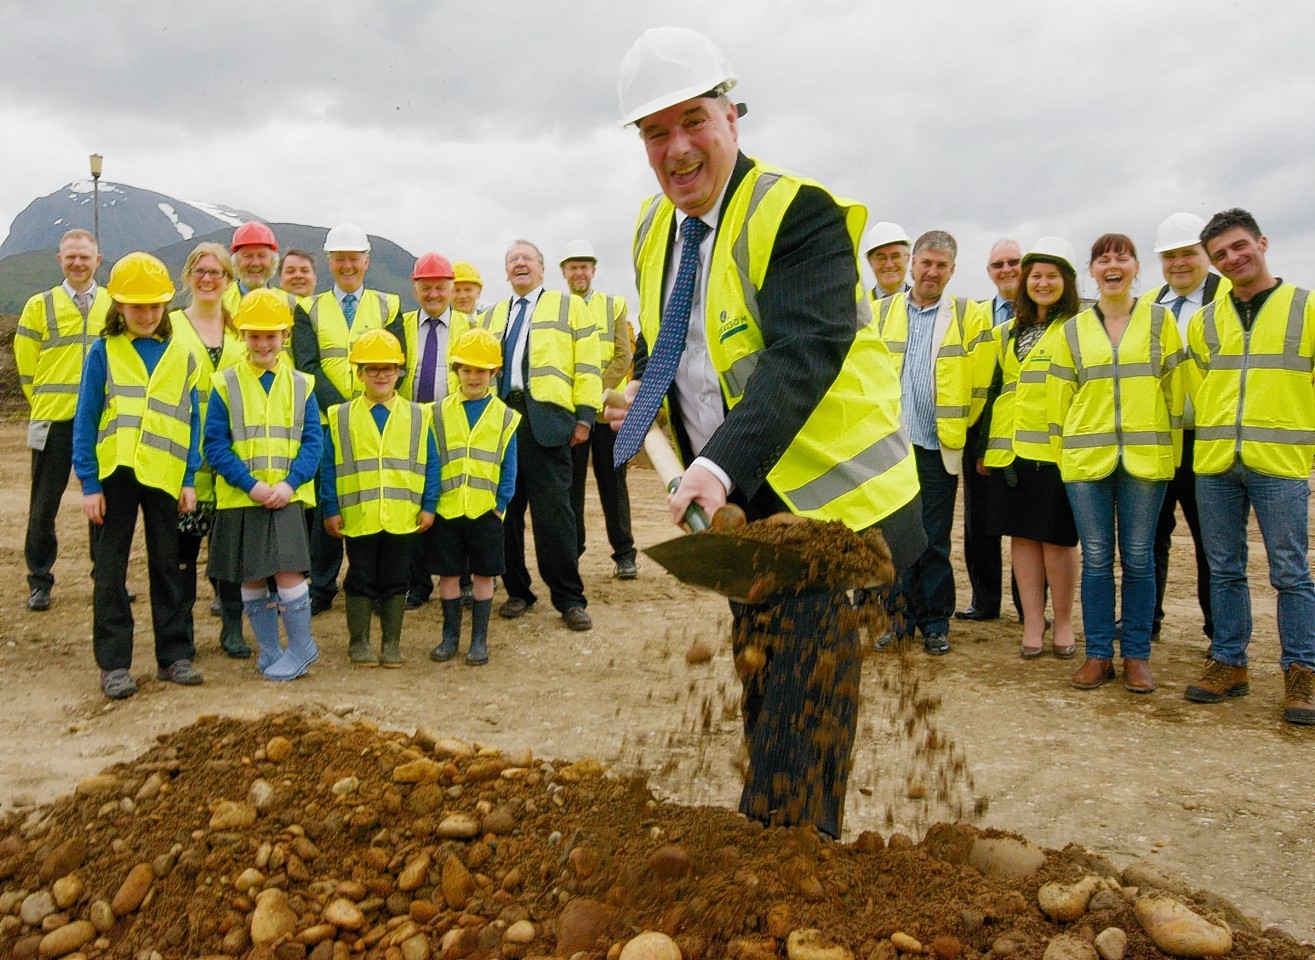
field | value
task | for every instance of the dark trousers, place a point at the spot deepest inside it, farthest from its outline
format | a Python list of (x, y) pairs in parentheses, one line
[(800, 708), (927, 586), (981, 550), (1182, 492), (50, 473), (325, 557), (377, 565), (543, 484), (613, 493), (112, 623), (189, 548)]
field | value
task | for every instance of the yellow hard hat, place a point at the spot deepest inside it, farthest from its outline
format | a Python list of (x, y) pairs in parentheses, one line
[(264, 310), (477, 347), (377, 346), (140, 278), (465, 272)]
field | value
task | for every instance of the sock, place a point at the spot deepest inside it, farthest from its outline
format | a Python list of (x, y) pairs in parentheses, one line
[(255, 593), (288, 594)]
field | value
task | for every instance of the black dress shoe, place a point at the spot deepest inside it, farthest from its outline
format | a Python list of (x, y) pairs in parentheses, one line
[(39, 599), (319, 605), (972, 613)]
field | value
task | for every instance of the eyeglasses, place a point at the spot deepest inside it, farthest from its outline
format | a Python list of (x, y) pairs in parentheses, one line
[(212, 274), (1001, 264), (370, 371)]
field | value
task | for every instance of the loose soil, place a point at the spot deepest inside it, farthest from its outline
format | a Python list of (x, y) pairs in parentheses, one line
[(1219, 794)]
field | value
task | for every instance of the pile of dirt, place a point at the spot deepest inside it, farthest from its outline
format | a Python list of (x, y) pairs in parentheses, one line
[(300, 836), (12, 402)]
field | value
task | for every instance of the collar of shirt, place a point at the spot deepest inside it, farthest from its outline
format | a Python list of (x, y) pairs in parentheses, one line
[(339, 293), (712, 216), (533, 296), (68, 288), (999, 305), (387, 404), (931, 308), (444, 318)]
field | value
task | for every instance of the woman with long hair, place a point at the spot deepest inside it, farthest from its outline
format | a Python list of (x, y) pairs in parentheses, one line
[(1025, 496)]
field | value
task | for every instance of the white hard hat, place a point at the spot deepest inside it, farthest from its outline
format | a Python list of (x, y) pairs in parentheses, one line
[(1178, 230), (578, 250), (347, 237), (666, 66), (1052, 248), (883, 232)]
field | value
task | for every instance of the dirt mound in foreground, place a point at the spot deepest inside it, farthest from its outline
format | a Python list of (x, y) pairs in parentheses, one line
[(297, 836)]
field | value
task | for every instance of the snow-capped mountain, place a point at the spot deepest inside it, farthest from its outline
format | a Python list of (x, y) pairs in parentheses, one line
[(131, 218)]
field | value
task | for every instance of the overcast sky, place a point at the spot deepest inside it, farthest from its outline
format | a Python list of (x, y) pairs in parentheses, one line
[(461, 126)]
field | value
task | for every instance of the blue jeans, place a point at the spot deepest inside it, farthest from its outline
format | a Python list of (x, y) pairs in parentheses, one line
[(1124, 508), (1282, 510), (927, 586)]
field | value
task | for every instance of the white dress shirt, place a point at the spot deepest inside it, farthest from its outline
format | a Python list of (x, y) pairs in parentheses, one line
[(515, 352), (444, 324)]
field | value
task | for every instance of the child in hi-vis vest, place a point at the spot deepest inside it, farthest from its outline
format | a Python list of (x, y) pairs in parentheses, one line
[(263, 439), (378, 491), (477, 434), (136, 445)]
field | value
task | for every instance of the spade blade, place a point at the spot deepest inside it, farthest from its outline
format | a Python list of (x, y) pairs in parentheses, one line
[(731, 565)]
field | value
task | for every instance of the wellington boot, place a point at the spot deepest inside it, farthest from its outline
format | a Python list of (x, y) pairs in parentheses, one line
[(264, 617), (230, 631), (301, 652), (359, 612), (451, 632), (478, 654), (391, 612)]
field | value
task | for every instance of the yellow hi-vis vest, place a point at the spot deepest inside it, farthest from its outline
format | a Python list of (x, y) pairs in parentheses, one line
[(373, 311), (1111, 402), (1252, 390), (1020, 418), (458, 323), (964, 361), (604, 309), (563, 345), (266, 428), (147, 420), (852, 460), (234, 352), (50, 348), (380, 476), (471, 457)]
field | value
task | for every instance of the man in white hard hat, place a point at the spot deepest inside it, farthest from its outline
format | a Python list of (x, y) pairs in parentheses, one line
[(1189, 285), (886, 246), (550, 376), (942, 346), (744, 360), (323, 332), (981, 551), (616, 348)]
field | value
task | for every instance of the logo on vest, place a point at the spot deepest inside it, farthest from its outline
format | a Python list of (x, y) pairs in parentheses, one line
[(728, 327)]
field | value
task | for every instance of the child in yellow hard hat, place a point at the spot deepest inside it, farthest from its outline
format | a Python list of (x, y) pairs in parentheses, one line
[(477, 433), (379, 484), (136, 445), (263, 439)]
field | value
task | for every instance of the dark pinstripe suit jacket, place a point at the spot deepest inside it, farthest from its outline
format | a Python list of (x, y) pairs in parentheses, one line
[(807, 308)]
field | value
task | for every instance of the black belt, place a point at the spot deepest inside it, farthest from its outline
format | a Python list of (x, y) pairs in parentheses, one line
[(516, 395)]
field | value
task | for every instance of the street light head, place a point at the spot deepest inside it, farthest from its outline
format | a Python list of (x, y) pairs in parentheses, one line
[(96, 161)]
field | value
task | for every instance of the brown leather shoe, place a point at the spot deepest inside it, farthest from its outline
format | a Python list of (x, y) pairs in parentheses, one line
[(1299, 695), (1092, 674), (1137, 676), (1218, 681), (577, 618), (514, 607)]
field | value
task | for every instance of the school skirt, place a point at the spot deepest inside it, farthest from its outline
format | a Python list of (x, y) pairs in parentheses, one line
[(252, 543), (1034, 507)]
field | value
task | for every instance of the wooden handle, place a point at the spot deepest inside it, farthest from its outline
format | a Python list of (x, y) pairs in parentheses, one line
[(670, 470)]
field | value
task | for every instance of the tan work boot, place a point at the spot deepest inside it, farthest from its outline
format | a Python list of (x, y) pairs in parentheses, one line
[(1299, 695), (1218, 681), (1092, 674), (1137, 676)]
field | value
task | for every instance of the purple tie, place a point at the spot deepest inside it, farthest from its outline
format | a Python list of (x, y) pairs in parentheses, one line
[(665, 358), (429, 365)]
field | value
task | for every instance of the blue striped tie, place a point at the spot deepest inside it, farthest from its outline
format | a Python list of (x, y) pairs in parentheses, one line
[(349, 308), (665, 358)]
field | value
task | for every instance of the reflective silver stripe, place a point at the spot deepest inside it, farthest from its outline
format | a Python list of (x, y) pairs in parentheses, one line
[(52, 322), (1011, 386), (883, 310), (897, 349), (333, 353), (585, 368), (886, 453), (122, 421), (948, 411), (1075, 348), (642, 231), (484, 456), (300, 391), (738, 373), (273, 431), (740, 247), (383, 307), (1056, 429), (1296, 310), (508, 417), (999, 443), (26, 379), (132, 391), (1172, 363), (551, 372), (1256, 434), (1158, 313), (980, 393), (42, 389), (28, 332), (314, 314), (1032, 436), (1263, 361), (345, 448), (1104, 371), (278, 463), (1039, 374), (477, 483), (951, 350), (369, 494), (608, 334), (176, 450), (1122, 438)]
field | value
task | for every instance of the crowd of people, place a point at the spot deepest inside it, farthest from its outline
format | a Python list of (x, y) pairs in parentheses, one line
[(283, 423)]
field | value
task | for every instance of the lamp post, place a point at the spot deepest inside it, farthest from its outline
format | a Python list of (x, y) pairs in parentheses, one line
[(96, 161)]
